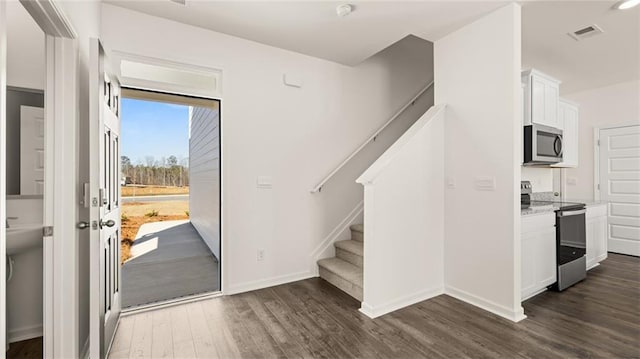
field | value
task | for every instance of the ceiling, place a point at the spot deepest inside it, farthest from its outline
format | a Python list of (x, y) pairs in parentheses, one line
[(605, 59), (313, 28)]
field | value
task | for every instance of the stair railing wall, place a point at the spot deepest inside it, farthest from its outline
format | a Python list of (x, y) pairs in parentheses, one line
[(404, 219), (372, 137)]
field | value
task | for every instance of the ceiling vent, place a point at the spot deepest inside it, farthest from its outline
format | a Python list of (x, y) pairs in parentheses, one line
[(589, 31)]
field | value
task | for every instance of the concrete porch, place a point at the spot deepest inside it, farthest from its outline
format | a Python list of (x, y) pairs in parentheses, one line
[(170, 260)]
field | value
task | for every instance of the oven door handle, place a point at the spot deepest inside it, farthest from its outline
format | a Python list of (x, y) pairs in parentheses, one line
[(571, 213)]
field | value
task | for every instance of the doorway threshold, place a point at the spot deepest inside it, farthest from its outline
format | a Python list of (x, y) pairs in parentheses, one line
[(169, 303)]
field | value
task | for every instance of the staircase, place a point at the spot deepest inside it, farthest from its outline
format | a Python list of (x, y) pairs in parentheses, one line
[(345, 269)]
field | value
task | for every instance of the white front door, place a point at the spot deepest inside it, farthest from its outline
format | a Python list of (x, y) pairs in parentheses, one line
[(31, 150), (104, 195), (620, 186)]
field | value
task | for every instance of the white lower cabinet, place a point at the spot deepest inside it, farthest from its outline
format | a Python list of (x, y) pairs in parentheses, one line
[(596, 227), (538, 253)]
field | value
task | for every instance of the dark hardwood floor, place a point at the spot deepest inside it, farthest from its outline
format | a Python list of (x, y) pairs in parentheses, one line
[(31, 348), (597, 318)]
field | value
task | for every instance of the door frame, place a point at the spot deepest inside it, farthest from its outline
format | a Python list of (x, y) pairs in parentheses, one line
[(596, 155), (215, 93), (60, 250)]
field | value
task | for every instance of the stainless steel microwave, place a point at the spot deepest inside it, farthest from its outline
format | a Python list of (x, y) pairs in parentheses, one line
[(542, 145)]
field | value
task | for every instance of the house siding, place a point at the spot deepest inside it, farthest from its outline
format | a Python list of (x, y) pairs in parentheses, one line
[(204, 174)]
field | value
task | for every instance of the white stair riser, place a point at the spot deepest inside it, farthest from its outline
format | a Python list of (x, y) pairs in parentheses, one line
[(342, 284), (357, 236), (350, 257)]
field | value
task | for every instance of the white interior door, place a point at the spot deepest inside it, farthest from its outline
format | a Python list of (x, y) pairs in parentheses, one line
[(620, 186), (104, 201), (31, 150)]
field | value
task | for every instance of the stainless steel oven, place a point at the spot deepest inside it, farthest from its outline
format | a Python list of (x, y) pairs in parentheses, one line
[(571, 245), (542, 145)]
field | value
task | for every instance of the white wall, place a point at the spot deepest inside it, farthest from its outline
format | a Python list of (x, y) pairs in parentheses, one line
[(477, 75), (608, 106), (85, 18), (541, 178), (25, 49), (204, 174), (404, 219), (293, 135)]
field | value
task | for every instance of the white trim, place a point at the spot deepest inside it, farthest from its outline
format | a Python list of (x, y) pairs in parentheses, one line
[(268, 282), (495, 308), (335, 235), (370, 174), (24, 333), (597, 263), (374, 312), (169, 303), (173, 88), (373, 136), (596, 164), (49, 17), (61, 250), (3, 173), (534, 293)]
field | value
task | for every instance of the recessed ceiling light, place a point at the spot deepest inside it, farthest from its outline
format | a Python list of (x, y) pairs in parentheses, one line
[(626, 4), (344, 10)]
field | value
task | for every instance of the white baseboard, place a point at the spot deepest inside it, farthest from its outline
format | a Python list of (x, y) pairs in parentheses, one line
[(269, 282), (84, 354), (24, 333), (405, 301), (490, 306), (335, 235)]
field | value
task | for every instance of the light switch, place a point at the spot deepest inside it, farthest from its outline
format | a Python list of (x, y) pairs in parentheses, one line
[(571, 181), (485, 183), (264, 182)]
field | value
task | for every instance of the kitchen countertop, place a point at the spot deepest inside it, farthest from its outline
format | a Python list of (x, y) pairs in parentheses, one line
[(589, 203), (542, 207)]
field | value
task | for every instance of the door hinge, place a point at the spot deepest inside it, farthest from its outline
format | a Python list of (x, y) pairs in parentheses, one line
[(47, 231), (598, 142), (598, 186)]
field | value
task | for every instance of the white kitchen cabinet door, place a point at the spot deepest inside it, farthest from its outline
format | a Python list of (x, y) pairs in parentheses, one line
[(528, 272), (538, 258), (569, 125), (542, 93), (596, 231), (546, 263)]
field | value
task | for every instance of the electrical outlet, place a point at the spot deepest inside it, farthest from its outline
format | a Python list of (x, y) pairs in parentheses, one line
[(260, 255)]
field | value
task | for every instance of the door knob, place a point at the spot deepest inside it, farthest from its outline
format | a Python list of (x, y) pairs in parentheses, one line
[(83, 225), (109, 223)]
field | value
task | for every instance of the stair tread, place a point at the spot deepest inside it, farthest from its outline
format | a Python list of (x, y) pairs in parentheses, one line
[(343, 269), (357, 228), (355, 247)]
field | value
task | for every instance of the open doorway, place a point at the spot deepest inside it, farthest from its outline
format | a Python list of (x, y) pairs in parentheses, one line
[(25, 183), (170, 197)]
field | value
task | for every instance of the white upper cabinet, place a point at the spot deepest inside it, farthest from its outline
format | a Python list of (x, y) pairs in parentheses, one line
[(541, 96), (569, 125)]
